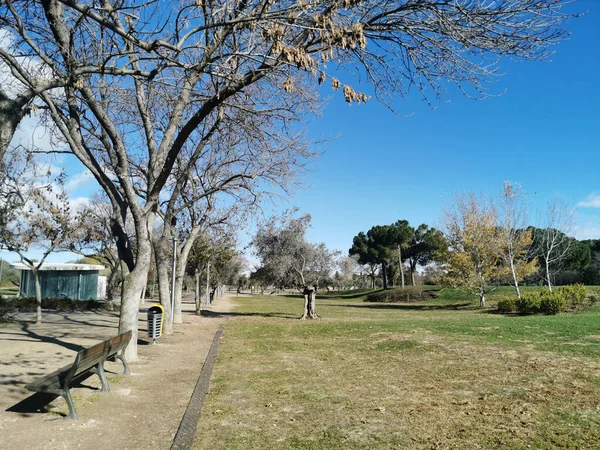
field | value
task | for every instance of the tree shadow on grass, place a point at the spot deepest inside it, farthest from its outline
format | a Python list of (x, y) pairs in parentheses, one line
[(409, 307), (216, 314)]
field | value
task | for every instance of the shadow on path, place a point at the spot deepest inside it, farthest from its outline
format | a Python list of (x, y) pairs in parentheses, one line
[(36, 403), (51, 340)]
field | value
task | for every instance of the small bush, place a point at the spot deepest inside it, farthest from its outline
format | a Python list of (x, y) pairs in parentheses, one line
[(528, 304), (507, 305), (7, 310), (552, 303), (61, 304), (574, 295)]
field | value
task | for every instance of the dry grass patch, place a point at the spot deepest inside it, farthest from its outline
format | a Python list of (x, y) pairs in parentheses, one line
[(403, 382)]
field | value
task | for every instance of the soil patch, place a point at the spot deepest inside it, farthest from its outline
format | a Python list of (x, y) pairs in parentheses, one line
[(141, 411)]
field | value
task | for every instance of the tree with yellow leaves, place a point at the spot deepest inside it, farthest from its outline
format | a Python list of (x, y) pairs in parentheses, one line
[(474, 241)]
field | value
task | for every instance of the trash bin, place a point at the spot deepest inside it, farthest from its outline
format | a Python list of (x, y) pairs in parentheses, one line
[(156, 315)]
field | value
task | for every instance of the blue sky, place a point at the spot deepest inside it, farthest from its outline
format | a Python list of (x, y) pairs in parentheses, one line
[(543, 132)]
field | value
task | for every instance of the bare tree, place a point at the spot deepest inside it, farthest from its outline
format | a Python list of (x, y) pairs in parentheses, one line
[(552, 241), (515, 239), (206, 57), (92, 238), (35, 214), (225, 177), (348, 267)]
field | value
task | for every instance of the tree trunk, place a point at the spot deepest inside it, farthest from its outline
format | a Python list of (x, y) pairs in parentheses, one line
[(184, 253), (516, 281), (111, 283), (133, 284), (164, 291), (309, 303), (198, 291), (143, 297), (384, 275), (400, 265), (11, 114), (548, 281), (208, 283), (413, 269), (178, 315), (481, 297), (38, 296)]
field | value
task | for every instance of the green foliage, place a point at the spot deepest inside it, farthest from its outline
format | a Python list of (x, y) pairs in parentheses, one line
[(574, 294), (528, 303), (546, 302), (7, 310), (10, 276), (507, 305), (552, 303), (385, 244), (409, 293)]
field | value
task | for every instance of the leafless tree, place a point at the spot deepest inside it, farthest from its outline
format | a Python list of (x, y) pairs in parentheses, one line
[(35, 215), (205, 57), (515, 239), (91, 238), (553, 242)]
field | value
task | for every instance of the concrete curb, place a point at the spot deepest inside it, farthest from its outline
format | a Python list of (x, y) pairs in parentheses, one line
[(184, 439)]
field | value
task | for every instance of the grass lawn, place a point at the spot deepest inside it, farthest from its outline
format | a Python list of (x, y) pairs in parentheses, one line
[(441, 374)]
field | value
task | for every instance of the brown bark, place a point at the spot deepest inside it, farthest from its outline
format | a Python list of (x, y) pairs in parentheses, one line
[(310, 296), (38, 296), (164, 290)]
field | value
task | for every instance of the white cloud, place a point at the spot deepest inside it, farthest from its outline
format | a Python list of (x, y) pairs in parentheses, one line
[(77, 181), (592, 201), (78, 203)]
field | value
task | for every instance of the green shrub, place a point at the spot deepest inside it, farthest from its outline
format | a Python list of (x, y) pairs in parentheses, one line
[(574, 294), (528, 304), (7, 310), (552, 303), (60, 304), (507, 305)]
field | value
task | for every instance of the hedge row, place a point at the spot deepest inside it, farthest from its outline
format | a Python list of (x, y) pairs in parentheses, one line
[(546, 302)]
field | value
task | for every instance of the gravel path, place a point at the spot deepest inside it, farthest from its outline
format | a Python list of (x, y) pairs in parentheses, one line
[(143, 410)]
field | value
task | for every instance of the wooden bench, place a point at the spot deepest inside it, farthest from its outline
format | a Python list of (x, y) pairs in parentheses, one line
[(89, 360)]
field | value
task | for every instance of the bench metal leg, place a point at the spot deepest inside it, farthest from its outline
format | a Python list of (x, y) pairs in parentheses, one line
[(125, 365), (66, 394), (99, 370)]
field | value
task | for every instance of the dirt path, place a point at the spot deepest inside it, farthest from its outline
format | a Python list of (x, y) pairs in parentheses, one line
[(141, 411)]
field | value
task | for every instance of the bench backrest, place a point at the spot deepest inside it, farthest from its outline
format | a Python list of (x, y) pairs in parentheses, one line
[(91, 356), (119, 342)]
